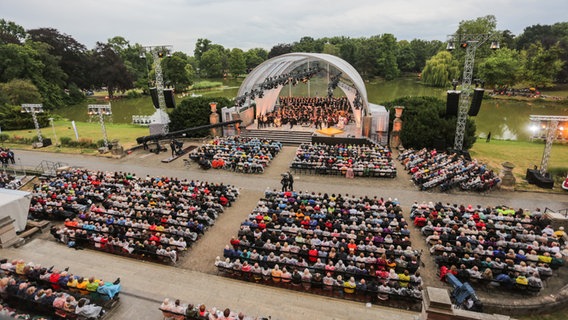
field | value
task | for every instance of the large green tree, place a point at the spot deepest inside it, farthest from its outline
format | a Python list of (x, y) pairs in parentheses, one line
[(71, 55), (237, 62), (386, 63), (108, 70), (10, 32), (211, 64), (440, 70), (177, 71), (502, 68), (425, 124), (541, 66)]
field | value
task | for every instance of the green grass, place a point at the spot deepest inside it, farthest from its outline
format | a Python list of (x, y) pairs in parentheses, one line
[(125, 133), (522, 154)]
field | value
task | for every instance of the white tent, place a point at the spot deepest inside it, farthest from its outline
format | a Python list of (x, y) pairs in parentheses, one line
[(15, 204)]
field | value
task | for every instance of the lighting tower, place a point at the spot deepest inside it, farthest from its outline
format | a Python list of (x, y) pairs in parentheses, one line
[(101, 110), (470, 42), (33, 109), (158, 52), (551, 125)]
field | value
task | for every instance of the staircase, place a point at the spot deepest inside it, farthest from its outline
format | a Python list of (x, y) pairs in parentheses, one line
[(285, 137)]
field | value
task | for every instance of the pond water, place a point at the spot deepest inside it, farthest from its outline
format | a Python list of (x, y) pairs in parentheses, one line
[(505, 119)]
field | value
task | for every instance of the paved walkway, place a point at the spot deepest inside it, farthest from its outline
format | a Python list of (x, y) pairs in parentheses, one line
[(193, 279)]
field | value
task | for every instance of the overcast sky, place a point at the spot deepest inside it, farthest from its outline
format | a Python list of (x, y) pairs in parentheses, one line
[(247, 24)]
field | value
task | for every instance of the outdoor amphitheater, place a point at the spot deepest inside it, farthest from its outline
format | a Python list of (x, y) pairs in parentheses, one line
[(296, 208)]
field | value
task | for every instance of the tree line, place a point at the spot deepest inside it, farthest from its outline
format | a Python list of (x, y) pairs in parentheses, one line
[(46, 66)]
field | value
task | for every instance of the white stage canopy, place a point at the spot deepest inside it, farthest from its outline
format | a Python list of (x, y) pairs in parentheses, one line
[(15, 204), (286, 63)]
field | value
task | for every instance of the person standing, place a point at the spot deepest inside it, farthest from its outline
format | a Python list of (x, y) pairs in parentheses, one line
[(488, 137), (290, 181), (284, 182)]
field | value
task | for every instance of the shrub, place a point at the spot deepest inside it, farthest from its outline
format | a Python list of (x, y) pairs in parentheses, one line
[(4, 137), (65, 141)]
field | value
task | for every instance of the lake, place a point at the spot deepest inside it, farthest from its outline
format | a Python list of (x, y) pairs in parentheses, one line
[(505, 119)]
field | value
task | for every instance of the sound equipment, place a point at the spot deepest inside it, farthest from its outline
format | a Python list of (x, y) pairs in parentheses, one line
[(476, 102), (534, 177), (168, 97), (452, 102)]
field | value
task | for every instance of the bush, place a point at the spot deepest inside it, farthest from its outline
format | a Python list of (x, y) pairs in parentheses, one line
[(65, 141), (426, 126), (194, 112), (133, 94), (83, 143), (4, 137)]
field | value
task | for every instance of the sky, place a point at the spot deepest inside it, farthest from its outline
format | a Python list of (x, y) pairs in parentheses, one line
[(249, 24)]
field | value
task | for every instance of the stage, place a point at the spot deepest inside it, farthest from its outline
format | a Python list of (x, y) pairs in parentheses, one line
[(349, 131)]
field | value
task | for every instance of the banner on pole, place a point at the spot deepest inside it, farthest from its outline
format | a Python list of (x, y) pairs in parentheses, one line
[(75, 129)]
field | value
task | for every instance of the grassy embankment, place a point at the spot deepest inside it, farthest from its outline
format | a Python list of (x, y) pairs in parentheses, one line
[(523, 155)]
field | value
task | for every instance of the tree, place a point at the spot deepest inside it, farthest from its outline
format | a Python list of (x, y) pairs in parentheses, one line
[(10, 32), (481, 25), (72, 55), (540, 66), (348, 50), (330, 48), (308, 44), (405, 57), (501, 68), (424, 50), (425, 124), (12, 95), (279, 49), (254, 57), (201, 46), (386, 63), (18, 91), (130, 55), (237, 62), (367, 56), (108, 70), (440, 70), (176, 70), (211, 64), (194, 112)]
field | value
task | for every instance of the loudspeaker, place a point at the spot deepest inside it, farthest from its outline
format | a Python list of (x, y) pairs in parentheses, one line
[(154, 94), (168, 97), (476, 101), (534, 177), (452, 102)]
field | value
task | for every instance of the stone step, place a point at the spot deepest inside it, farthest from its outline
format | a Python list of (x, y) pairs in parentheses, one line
[(285, 137)]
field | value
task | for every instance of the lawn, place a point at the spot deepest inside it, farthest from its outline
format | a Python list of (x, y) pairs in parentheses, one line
[(126, 134), (522, 154)]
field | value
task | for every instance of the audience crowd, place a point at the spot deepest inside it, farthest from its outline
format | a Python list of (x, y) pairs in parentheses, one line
[(7, 157), (372, 160), (175, 310), (155, 217), (495, 246), (430, 169), (8, 181), (236, 153), (329, 244), (54, 293), (308, 111)]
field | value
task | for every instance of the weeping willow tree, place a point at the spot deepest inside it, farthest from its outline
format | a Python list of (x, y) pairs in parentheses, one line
[(440, 70)]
